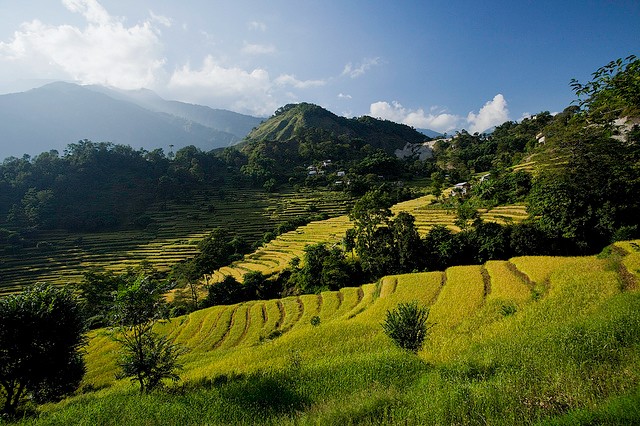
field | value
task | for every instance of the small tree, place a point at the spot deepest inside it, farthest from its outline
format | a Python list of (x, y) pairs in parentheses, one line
[(41, 336), (226, 292), (146, 357), (407, 325)]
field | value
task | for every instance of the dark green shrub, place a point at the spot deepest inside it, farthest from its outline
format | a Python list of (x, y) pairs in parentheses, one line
[(508, 309), (41, 341), (315, 320), (407, 325)]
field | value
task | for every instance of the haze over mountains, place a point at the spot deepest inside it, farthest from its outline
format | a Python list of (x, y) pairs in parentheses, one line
[(57, 114)]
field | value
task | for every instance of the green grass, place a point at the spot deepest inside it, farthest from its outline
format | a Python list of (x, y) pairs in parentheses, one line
[(567, 355)]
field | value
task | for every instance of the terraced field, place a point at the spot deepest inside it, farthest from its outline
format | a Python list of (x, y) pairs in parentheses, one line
[(177, 228), (467, 303), (276, 255), (172, 237)]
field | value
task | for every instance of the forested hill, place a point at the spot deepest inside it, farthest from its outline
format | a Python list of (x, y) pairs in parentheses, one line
[(304, 134), (311, 123)]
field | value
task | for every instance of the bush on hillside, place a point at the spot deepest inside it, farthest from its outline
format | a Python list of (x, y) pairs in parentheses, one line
[(407, 326)]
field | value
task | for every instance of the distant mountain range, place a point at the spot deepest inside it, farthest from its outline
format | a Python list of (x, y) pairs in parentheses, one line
[(57, 114), (430, 133)]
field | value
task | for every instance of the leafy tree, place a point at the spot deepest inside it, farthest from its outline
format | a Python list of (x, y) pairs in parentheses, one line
[(614, 90), (258, 286), (149, 359), (593, 194), (526, 239), (441, 248), (97, 290), (407, 326), (227, 292), (146, 357), (38, 207), (349, 241), (491, 241), (466, 215), (369, 212), (407, 243), (322, 269), (504, 188), (41, 336), (216, 250), (379, 257)]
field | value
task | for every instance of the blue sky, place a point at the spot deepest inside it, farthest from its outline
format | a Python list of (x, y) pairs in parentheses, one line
[(443, 65)]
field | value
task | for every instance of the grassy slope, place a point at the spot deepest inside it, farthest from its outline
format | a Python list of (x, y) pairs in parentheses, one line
[(566, 351)]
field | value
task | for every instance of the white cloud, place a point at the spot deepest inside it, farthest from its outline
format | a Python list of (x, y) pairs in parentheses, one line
[(344, 96), (355, 71), (104, 52), (291, 80), (251, 91), (257, 26), (491, 114), (162, 20), (258, 49), (90, 9), (524, 116), (440, 122), (231, 87)]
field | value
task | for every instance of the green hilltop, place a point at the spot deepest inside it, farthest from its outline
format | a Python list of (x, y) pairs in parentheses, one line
[(305, 121), (302, 135)]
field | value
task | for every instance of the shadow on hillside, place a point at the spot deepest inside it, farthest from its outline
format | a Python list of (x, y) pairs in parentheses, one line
[(262, 394)]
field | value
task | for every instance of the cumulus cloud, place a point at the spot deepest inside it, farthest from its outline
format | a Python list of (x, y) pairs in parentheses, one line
[(233, 86), (440, 121), (90, 9), (258, 49), (491, 114), (344, 96), (355, 71), (105, 51), (252, 91)]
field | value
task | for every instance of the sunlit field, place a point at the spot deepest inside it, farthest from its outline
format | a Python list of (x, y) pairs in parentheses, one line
[(529, 340)]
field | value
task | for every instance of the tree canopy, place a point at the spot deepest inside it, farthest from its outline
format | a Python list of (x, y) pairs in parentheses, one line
[(41, 337)]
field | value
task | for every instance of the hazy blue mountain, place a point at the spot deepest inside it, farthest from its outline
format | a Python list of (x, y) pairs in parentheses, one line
[(52, 116), (430, 133), (227, 121)]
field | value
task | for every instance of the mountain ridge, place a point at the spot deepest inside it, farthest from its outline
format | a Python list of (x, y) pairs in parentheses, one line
[(57, 114)]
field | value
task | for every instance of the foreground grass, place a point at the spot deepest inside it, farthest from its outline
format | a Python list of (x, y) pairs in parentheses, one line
[(567, 354)]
